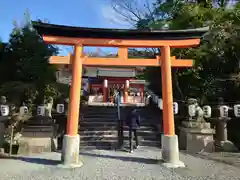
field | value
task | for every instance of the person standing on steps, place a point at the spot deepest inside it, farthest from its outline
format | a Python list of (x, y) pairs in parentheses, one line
[(133, 122)]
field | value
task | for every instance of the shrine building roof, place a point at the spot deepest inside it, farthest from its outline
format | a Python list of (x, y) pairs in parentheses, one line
[(104, 33)]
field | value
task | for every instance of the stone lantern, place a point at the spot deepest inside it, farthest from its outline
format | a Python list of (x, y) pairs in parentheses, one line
[(196, 135), (220, 120)]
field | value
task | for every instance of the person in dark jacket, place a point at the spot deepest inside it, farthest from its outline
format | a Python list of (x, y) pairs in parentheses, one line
[(133, 122)]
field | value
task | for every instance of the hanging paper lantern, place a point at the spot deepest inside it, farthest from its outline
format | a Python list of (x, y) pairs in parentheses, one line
[(237, 110), (23, 110), (224, 111), (175, 107), (40, 110), (207, 111), (160, 103), (4, 110), (60, 108)]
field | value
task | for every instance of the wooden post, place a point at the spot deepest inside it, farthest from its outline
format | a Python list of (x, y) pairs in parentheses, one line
[(142, 93), (75, 92), (11, 140), (105, 87), (126, 86), (168, 118)]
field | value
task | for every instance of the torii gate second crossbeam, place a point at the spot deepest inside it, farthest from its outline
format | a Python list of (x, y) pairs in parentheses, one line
[(80, 37)]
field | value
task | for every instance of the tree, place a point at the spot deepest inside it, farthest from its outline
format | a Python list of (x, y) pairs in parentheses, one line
[(218, 48), (29, 56)]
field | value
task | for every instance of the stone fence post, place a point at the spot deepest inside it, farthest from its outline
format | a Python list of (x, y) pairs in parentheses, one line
[(221, 117)]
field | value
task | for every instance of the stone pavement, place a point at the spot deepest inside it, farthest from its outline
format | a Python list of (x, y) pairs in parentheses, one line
[(143, 164), (224, 157)]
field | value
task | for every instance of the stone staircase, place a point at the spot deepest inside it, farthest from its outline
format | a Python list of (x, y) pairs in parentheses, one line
[(98, 128)]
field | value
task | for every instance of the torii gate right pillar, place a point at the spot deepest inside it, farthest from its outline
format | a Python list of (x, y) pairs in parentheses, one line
[(170, 150)]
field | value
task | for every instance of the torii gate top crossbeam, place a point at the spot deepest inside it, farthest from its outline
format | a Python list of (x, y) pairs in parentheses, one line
[(68, 35)]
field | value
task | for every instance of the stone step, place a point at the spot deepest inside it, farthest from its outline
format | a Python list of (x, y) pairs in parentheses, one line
[(110, 133), (107, 128), (101, 111), (107, 123), (113, 112), (115, 134), (89, 116), (115, 117), (113, 143), (105, 120), (113, 109), (98, 143), (145, 143), (89, 147), (114, 137), (101, 128), (98, 132), (141, 111), (98, 123), (85, 148)]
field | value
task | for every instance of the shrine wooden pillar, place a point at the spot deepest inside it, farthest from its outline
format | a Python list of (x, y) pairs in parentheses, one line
[(168, 125), (142, 93), (170, 149), (126, 87), (105, 90), (71, 141)]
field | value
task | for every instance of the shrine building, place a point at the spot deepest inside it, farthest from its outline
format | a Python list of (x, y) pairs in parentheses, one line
[(100, 83)]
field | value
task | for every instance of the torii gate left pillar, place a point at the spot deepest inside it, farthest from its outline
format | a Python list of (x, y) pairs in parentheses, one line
[(71, 141)]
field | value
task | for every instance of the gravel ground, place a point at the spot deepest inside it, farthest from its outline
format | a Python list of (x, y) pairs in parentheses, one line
[(143, 164), (224, 157)]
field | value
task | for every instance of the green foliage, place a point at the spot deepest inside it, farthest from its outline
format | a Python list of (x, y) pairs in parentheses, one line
[(26, 57), (16, 91), (50, 91), (30, 56)]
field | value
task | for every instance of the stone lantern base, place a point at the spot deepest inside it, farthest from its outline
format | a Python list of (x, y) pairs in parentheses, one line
[(196, 137), (226, 146)]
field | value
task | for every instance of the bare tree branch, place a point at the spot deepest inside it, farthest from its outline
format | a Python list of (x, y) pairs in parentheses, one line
[(148, 7), (131, 10), (124, 15)]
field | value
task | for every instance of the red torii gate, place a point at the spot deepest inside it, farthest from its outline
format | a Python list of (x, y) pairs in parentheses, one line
[(80, 37)]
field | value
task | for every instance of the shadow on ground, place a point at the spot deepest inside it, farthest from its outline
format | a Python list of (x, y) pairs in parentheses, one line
[(45, 161), (36, 160), (42, 161), (124, 158)]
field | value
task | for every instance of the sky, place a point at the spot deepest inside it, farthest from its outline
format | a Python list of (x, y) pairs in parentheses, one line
[(88, 13), (85, 13)]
